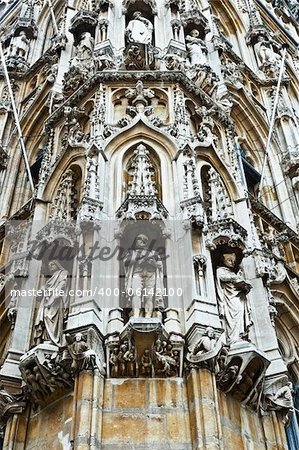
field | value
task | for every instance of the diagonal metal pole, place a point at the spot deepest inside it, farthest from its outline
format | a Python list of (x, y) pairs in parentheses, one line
[(285, 47), (16, 117), (53, 16)]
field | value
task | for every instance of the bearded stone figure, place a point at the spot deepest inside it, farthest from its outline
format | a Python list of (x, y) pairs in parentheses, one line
[(233, 303), (53, 306)]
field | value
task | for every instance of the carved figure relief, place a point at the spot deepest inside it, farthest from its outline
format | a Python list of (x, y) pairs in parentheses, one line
[(20, 46), (159, 360), (206, 343), (82, 356), (53, 307), (265, 53), (139, 29), (144, 279), (197, 48), (233, 304)]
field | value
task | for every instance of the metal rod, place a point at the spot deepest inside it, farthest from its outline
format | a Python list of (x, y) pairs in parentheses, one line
[(285, 47), (16, 117), (53, 17)]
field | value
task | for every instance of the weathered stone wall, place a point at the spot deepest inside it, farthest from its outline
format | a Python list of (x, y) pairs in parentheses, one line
[(145, 414), (47, 429)]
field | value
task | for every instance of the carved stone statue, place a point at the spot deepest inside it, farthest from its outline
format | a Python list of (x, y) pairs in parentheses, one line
[(85, 47), (144, 278), (233, 304), (146, 363), (84, 53), (114, 363), (53, 307), (82, 356), (283, 396), (139, 29), (197, 48), (265, 53), (20, 45), (5, 398), (206, 343)]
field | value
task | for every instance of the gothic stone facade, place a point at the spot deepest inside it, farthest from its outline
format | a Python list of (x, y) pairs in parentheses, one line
[(145, 124)]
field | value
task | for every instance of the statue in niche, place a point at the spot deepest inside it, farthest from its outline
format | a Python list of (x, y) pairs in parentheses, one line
[(83, 357), (83, 59), (52, 310), (233, 304), (265, 53), (197, 48), (20, 45), (144, 278), (139, 29), (85, 47)]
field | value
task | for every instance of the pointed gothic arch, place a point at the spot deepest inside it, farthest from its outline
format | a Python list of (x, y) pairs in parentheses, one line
[(163, 151)]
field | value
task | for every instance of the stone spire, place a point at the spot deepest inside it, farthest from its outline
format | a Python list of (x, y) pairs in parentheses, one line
[(143, 170)]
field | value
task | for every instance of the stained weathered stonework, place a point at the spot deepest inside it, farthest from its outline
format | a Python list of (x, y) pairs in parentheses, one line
[(149, 284)]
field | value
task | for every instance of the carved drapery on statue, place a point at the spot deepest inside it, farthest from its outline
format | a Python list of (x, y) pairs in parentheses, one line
[(139, 29), (52, 309), (232, 299), (138, 34), (143, 278), (196, 48)]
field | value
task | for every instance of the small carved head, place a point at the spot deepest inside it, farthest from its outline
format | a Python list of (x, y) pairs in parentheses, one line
[(79, 337), (194, 33), (229, 260), (141, 241), (54, 265), (210, 332)]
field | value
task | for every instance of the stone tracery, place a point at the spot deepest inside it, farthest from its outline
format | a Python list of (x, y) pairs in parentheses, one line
[(129, 87)]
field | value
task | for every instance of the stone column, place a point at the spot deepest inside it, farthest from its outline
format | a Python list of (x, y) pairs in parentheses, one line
[(204, 410), (275, 436), (87, 412)]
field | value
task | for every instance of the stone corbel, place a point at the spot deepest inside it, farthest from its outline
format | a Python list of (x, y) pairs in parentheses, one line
[(206, 350), (144, 349), (10, 404), (45, 371), (86, 351), (278, 395), (241, 370), (193, 211)]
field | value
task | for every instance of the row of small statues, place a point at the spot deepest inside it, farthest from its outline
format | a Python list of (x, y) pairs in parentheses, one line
[(139, 31), (162, 360), (144, 271)]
